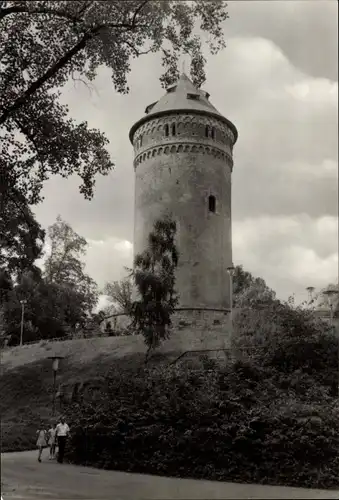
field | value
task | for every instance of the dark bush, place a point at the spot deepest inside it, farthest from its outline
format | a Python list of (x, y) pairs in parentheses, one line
[(237, 423)]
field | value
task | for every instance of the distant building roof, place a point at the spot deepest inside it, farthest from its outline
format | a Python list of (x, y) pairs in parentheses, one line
[(182, 96)]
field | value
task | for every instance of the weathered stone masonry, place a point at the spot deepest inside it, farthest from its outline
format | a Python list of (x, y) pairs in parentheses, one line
[(183, 165)]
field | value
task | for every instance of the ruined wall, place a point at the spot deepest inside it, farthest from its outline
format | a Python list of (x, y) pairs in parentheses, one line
[(176, 174)]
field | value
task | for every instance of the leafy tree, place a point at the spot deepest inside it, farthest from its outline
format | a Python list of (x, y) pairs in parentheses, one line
[(65, 270), (120, 293), (26, 288), (286, 338), (44, 44), (249, 290), (6, 284), (21, 236), (154, 276)]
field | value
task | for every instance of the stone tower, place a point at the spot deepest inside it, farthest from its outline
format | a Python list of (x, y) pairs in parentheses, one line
[(183, 165)]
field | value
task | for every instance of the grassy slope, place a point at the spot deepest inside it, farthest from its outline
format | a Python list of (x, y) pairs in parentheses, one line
[(27, 379)]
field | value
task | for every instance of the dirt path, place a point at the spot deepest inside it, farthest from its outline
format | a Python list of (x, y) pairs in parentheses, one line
[(23, 478)]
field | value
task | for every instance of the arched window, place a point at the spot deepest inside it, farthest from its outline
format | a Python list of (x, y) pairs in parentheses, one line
[(140, 140), (173, 129), (213, 132), (166, 130), (212, 204), (207, 131)]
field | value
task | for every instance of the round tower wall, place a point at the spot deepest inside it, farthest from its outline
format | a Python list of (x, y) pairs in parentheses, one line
[(177, 174)]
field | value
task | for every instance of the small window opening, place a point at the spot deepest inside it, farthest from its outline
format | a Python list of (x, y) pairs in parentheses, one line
[(207, 131), (213, 133), (212, 204), (166, 130), (140, 140), (193, 96), (173, 129)]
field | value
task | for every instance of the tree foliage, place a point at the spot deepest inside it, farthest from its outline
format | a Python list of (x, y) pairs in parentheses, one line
[(120, 294), (21, 236), (237, 423), (249, 290), (45, 44), (65, 270), (278, 334), (58, 301), (154, 277)]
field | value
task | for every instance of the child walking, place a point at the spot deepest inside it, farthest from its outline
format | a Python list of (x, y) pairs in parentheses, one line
[(52, 441), (41, 441)]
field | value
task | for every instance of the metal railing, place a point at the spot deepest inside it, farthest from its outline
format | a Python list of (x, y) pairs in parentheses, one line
[(230, 351)]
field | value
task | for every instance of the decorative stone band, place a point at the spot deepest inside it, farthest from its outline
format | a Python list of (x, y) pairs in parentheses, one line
[(186, 147), (150, 130)]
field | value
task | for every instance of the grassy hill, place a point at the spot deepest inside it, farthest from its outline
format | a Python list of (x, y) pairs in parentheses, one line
[(27, 379)]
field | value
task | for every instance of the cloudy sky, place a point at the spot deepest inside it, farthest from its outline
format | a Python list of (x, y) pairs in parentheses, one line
[(277, 80)]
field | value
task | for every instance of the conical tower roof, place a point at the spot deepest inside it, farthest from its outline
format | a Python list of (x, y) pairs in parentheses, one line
[(182, 96), (176, 98)]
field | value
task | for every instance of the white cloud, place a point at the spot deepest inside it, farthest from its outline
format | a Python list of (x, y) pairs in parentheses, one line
[(106, 259), (290, 253), (315, 91)]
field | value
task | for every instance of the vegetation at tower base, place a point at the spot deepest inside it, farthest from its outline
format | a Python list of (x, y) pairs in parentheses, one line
[(269, 416), (290, 339), (154, 277), (239, 422), (46, 44)]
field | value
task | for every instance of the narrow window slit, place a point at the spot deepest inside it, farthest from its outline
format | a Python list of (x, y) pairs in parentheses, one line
[(212, 204)]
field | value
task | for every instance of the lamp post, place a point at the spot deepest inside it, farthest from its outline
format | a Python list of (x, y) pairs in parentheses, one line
[(55, 367), (22, 302), (330, 294), (230, 271)]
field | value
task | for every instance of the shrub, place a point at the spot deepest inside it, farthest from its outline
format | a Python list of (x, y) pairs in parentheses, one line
[(289, 339), (236, 423)]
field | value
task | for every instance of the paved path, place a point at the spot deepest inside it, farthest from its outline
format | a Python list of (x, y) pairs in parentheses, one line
[(23, 478)]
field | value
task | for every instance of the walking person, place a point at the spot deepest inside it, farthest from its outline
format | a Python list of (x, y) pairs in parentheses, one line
[(52, 441), (62, 431), (41, 441)]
